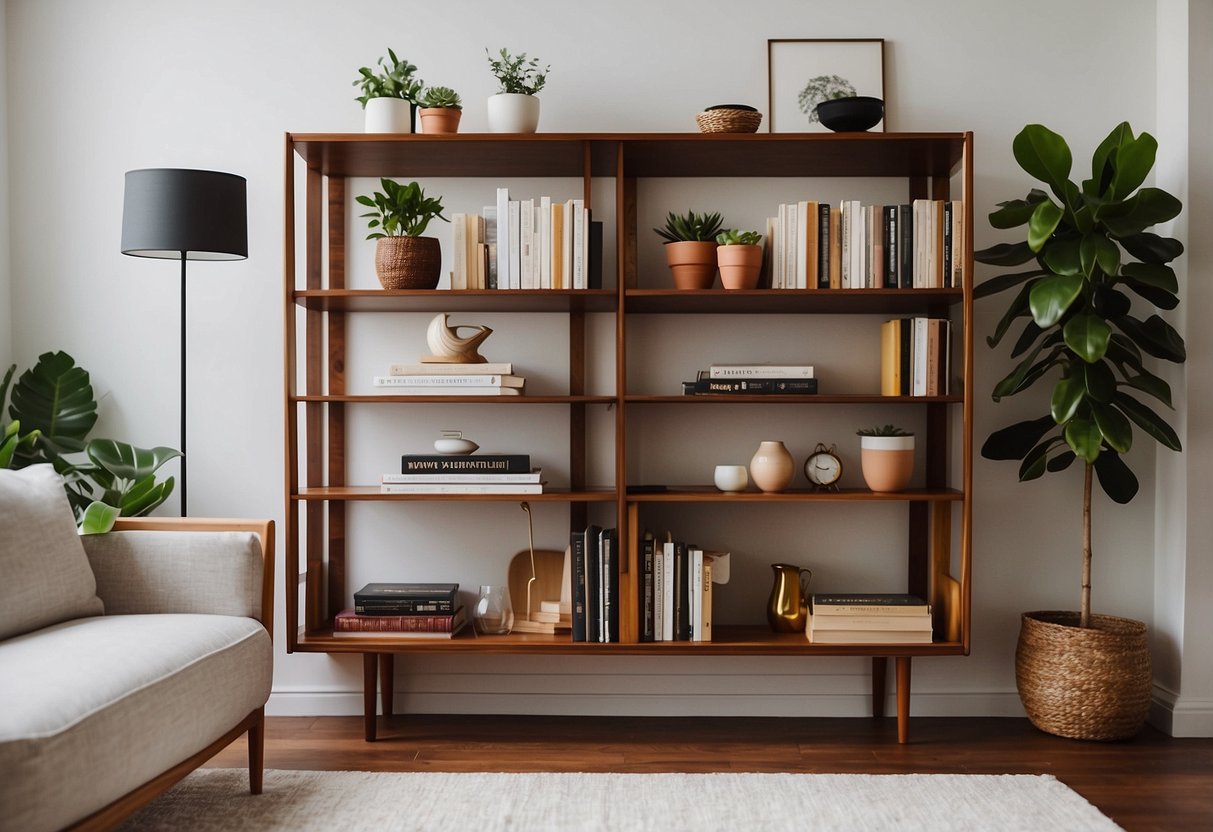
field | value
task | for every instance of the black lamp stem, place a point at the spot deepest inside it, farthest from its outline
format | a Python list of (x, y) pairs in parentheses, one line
[(183, 455)]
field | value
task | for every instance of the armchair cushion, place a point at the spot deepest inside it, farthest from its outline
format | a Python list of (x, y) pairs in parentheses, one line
[(45, 577)]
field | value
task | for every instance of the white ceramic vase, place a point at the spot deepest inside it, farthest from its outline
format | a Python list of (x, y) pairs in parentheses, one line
[(389, 115), (771, 469), (513, 113)]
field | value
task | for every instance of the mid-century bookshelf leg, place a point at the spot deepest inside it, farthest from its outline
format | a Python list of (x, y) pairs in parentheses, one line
[(903, 698), (387, 677), (370, 672), (880, 672)]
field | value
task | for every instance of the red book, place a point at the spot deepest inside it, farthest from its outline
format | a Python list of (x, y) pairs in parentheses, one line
[(348, 624)]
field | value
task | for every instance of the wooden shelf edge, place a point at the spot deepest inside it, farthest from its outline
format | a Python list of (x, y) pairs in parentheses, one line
[(709, 494), (376, 398), (372, 493)]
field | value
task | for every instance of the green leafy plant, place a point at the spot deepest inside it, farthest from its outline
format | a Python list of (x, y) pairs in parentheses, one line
[(1087, 253), (444, 97), (55, 397), (393, 79), (883, 430), (735, 237), (399, 210), (690, 227), (516, 74)]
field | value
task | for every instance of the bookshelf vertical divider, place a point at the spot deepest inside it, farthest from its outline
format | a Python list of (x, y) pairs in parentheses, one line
[(321, 309)]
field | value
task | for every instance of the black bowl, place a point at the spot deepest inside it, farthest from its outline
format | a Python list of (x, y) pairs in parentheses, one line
[(857, 113)]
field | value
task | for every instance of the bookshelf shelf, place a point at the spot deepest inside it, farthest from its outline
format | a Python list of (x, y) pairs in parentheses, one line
[(322, 315)]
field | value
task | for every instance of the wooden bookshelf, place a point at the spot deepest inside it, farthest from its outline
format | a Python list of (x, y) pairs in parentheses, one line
[(320, 310)]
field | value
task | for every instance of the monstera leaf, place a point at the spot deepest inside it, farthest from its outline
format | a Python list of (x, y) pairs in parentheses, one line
[(55, 398)]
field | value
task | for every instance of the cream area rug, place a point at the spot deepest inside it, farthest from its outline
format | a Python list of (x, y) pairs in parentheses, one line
[(218, 799)]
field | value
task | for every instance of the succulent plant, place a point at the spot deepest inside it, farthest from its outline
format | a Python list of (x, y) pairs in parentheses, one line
[(736, 237), (516, 74), (690, 227), (394, 79), (441, 97), (883, 430)]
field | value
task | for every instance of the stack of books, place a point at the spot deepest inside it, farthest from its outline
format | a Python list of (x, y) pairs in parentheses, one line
[(869, 618), (407, 611), (451, 380), (753, 380), (464, 474)]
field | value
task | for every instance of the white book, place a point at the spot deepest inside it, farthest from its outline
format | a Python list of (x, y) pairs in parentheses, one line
[(667, 571), (802, 244), (566, 243), (658, 592), (526, 232), (779, 236), (536, 253), (533, 477), (461, 488), (490, 242), (497, 369), (696, 594), (461, 380), (789, 251), (503, 238), (448, 390), (459, 273), (545, 242), (918, 371), (760, 371), (578, 244)]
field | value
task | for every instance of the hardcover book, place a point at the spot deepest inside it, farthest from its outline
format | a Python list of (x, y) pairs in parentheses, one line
[(462, 488), (349, 624), (868, 603), (473, 477), (470, 464), (760, 371), (405, 599), (750, 387), (498, 368)]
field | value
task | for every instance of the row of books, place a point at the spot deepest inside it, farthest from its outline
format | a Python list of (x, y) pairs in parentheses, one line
[(753, 379), (594, 574), (915, 245), (474, 473), (404, 611), (676, 590), (869, 618), (916, 357), (454, 379), (527, 244)]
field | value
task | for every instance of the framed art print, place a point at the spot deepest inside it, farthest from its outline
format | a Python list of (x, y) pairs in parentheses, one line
[(802, 73)]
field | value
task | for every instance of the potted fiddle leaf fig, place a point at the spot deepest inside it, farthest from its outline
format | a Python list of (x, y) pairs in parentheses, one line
[(1084, 304), (440, 111), (515, 107), (389, 94), (398, 217), (690, 248)]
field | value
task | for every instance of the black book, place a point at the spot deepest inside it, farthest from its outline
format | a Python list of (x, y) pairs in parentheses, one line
[(577, 576), (594, 275), (465, 464), (647, 548), (905, 354), (905, 246), (608, 559), (682, 591), (593, 585), (947, 245), (823, 245), (406, 599), (889, 232), (761, 386)]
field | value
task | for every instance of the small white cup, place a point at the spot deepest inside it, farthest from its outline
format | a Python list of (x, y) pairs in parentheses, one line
[(731, 477)]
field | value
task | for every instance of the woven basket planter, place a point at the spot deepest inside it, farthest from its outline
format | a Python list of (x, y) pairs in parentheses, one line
[(728, 121), (408, 262), (1090, 683)]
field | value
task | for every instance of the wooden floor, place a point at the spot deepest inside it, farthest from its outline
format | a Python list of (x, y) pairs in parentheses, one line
[(1153, 782)]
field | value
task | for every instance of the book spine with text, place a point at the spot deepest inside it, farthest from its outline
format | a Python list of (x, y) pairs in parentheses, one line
[(774, 386), (532, 477), (403, 607), (754, 371), (577, 577), (472, 464), (461, 487), (646, 588), (495, 369), (351, 621)]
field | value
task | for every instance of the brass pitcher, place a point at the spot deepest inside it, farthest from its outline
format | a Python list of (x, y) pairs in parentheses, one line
[(788, 609)]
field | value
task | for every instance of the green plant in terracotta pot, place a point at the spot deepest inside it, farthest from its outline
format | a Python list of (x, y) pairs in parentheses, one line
[(1091, 270), (690, 248), (441, 109), (389, 94), (739, 258), (886, 457), (398, 218)]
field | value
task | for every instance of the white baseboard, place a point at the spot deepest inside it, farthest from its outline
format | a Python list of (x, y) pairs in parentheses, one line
[(1181, 716)]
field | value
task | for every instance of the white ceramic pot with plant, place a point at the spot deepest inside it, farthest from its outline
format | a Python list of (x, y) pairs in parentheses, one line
[(515, 107), (389, 95), (739, 258), (690, 248), (440, 110), (886, 457), (399, 214)]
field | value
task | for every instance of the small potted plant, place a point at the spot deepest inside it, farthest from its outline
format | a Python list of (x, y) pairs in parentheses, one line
[(398, 217), (886, 455), (690, 248), (739, 257), (515, 109), (389, 95), (440, 110)]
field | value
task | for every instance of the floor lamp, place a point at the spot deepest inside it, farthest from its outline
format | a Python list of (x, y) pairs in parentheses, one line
[(176, 214)]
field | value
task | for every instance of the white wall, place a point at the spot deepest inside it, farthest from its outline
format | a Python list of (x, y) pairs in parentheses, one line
[(6, 303), (217, 84)]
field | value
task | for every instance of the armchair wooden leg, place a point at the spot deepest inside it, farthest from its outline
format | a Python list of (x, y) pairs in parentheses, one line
[(370, 668), (256, 753)]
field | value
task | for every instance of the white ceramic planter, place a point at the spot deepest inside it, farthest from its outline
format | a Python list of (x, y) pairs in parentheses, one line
[(731, 477), (389, 115), (887, 461), (513, 113)]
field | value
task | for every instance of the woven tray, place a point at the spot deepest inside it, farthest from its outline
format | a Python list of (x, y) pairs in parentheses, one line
[(728, 121)]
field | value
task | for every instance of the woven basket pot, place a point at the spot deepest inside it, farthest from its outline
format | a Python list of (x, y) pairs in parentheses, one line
[(408, 262), (1090, 683)]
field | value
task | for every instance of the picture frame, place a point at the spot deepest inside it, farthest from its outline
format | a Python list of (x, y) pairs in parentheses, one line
[(802, 72)]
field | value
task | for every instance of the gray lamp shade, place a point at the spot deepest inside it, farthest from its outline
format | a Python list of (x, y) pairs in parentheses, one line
[(198, 214)]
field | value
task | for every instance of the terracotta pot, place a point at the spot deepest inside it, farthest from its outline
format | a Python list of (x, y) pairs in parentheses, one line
[(389, 115), (511, 112), (739, 266), (771, 468), (1089, 683), (887, 461), (437, 120), (408, 262), (693, 263)]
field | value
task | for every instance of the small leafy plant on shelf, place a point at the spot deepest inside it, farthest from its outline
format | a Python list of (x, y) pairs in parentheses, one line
[(690, 227), (398, 217), (739, 258), (883, 430), (690, 248), (516, 74), (443, 97), (735, 237), (441, 109), (394, 78)]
